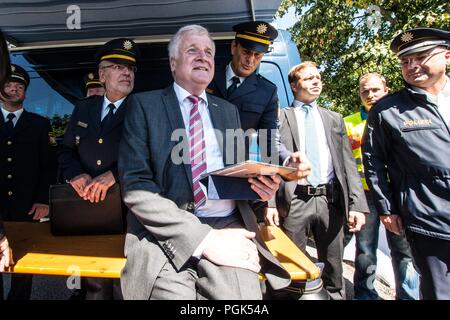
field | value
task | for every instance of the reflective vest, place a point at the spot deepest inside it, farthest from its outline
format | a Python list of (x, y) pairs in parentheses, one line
[(355, 129)]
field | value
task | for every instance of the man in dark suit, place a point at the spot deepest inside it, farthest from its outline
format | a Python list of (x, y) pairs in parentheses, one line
[(333, 192), (88, 159), (180, 244), (25, 166), (238, 82)]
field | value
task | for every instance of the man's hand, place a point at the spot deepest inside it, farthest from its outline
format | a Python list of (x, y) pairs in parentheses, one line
[(301, 163), (232, 248), (80, 182), (6, 256), (271, 217), (40, 211), (265, 186), (355, 221), (97, 189), (393, 223)]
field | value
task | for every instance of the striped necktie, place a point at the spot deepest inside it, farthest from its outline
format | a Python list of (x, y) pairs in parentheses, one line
[(197, 151), (311, 145)]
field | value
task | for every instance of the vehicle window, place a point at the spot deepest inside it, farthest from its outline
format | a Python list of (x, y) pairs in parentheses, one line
[(273, 73)]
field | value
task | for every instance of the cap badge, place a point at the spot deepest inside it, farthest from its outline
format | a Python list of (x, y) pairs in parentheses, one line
[(261, 28), (407, 36), (127, 45), (91, 76)]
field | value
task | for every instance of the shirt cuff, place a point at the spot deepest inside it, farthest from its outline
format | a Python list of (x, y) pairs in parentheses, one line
[(199, 251)]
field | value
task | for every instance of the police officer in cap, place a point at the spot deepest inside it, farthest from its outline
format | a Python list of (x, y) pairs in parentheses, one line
[(93, 85), (88, 159), (239, 83), (24, 164), (408, 140)]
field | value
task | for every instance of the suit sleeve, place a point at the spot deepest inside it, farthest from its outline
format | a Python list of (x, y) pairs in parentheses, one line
[(45, 165), (375, 150), (357, 197), (68, 158), (159, 215)]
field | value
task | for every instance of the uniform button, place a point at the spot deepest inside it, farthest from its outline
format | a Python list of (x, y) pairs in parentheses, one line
[(9, 176), (99, 162), (9, 159), (100, 140), (9, 143), (10, 193)]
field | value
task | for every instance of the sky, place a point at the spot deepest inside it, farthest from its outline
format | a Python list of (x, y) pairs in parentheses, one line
[(287, 21)]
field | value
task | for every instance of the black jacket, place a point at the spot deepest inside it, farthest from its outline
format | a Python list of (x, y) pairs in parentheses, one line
[(87, 148), (406, 152), (25, 166)]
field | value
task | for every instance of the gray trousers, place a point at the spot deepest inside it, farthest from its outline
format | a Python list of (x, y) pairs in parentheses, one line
[(317, 216), (202, 279)]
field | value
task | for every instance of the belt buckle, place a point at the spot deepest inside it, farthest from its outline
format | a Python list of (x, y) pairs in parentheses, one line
[(309, 191)]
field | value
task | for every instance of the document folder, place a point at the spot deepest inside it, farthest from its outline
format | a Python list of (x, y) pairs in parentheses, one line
[(72, 215)]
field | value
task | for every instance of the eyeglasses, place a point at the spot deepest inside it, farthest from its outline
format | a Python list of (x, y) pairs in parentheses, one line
[(419, 59), (121, 67)]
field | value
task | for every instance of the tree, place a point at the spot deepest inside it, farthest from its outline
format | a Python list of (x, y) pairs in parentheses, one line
[(348, 38)]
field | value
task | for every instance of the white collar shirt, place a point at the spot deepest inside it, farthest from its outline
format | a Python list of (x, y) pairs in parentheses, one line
[(17, 114), (326, 164), (214, 159), (106, 103)]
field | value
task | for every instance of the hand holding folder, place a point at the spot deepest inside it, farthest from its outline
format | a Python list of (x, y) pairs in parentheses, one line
[(232, 182)]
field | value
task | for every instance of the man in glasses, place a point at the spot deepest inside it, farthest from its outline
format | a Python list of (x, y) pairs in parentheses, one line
[(88, 159), (406, 152)]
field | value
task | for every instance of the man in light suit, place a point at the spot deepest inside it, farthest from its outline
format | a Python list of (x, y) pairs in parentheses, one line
[(332, 193), (179, 244)]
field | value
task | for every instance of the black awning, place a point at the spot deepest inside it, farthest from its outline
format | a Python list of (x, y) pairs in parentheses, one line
[(41, 21)]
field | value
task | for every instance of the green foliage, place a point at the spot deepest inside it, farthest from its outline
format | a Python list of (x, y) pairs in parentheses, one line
[(348, 38), (59, 124)]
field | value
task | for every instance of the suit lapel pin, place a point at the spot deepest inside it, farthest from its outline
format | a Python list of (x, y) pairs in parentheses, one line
[(215, 104)]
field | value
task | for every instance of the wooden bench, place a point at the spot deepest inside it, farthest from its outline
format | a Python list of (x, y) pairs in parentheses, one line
[(37, 251)]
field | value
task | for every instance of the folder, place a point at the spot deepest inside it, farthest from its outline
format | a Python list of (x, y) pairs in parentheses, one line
[(72, 215), (232, 182)]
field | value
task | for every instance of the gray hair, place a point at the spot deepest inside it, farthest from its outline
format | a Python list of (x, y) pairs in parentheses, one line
[(174, 44)]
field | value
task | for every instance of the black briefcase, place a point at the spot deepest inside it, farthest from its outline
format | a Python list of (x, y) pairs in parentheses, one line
[(72, 215)]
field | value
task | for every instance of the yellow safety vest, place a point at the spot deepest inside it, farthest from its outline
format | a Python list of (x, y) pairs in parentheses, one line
[(355, 129)]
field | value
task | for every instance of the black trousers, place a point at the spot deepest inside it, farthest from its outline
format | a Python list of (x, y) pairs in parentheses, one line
[(21, 285), (323, 219), (432, 259)]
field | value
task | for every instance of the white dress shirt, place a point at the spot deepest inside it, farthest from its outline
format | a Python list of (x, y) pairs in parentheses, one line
[(326, 164), (106, 103), (442, 100), (229, 76), (17, 114), (214, 159)]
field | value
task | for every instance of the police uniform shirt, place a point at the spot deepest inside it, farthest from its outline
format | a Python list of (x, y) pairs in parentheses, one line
[(229, 74), (442, 100), (326, 165), (106, 103), (214, 159), (17, 114)]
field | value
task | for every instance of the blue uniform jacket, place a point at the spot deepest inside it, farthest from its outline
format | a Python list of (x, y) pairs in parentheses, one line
[(406, 156)]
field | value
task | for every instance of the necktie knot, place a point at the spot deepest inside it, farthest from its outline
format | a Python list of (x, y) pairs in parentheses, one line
[(111, 107), (233, 86), (10, 116), (307, 108), (194, 100)]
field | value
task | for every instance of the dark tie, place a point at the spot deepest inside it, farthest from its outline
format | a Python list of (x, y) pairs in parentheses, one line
[(108, 118), (197, 151), (233, 86), (311, 145), (9, 124)]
